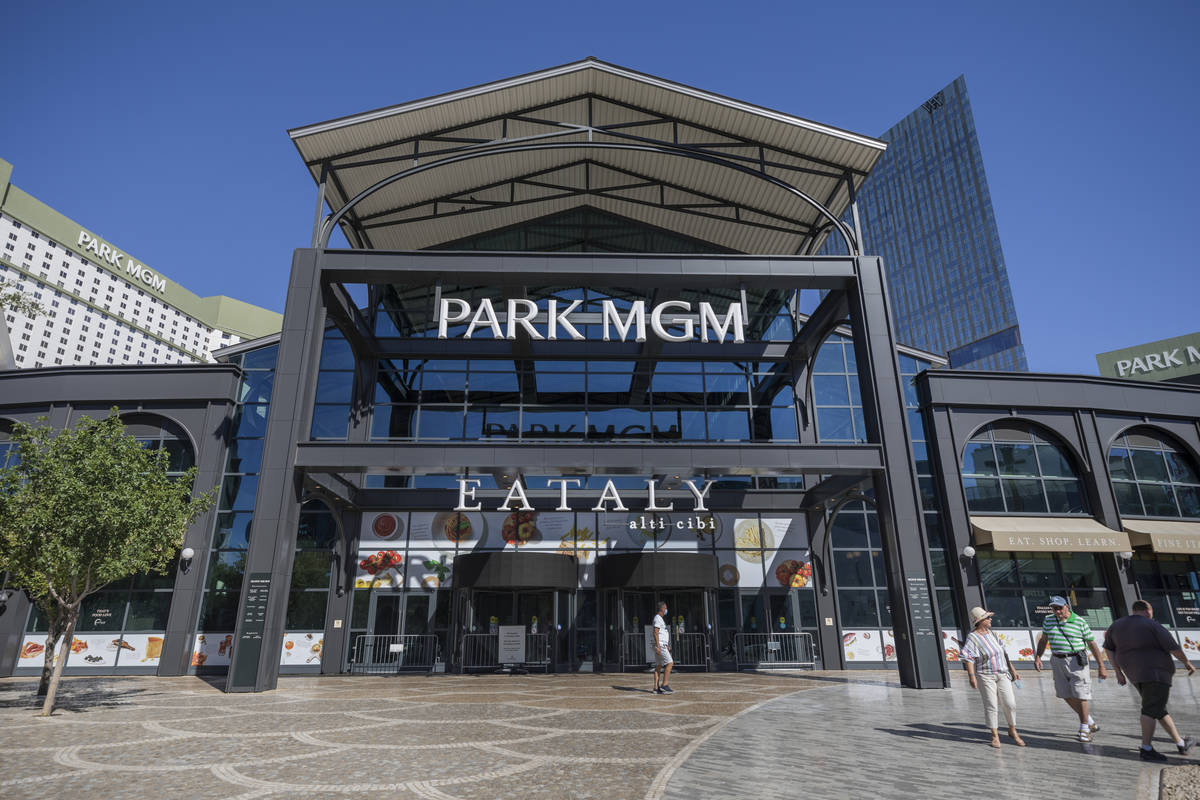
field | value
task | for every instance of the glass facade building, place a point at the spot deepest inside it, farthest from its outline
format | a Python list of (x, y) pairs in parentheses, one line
[(927, 211)]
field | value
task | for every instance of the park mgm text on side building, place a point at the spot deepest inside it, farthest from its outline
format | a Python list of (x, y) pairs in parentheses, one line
[(102, 306)]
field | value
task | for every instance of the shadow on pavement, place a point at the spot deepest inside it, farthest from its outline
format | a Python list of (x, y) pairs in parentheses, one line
[(1033, 739), (638, 689), (78, 696)]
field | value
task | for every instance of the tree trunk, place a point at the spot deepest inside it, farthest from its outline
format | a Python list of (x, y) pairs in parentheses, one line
[(56, 676), (52, 640), (47, 665)]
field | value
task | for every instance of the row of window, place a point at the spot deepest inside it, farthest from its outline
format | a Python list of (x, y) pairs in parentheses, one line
[(1013, 467)]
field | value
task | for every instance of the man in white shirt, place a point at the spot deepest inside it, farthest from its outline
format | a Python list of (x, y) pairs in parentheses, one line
[(662, 652)]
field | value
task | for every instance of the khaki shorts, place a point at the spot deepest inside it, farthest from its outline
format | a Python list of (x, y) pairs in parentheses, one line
[(663, 657), (1070, 679)]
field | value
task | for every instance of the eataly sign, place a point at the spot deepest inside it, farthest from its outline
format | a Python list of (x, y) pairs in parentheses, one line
[(609, 496)]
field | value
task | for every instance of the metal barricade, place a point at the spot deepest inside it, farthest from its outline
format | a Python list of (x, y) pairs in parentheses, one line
[(481, 651), (687, 650), (774, 650), (633, 650), (387, 655), (691, 650)]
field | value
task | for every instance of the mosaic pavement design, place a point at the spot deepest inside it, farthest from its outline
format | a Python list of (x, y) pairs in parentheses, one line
[(567, 737)]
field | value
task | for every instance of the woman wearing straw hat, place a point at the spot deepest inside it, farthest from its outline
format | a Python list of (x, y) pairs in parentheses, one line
[(991, 673)]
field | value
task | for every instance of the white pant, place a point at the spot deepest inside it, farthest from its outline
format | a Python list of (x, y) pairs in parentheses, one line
[(991, 686)]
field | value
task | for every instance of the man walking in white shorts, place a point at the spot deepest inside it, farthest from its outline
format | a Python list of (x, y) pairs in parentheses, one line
[(662, 652)]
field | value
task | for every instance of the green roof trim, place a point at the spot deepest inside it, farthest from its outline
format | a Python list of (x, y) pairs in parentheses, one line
[(224, 313)]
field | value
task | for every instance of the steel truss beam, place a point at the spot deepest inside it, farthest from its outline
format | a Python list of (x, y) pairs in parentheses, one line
[(463, 202), (348, 208), (762, 155)]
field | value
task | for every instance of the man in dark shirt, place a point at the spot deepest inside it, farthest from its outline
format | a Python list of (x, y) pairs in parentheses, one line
[(1140, 650)]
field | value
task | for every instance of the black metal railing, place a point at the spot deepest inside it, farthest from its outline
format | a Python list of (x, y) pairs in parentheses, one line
[(774, 650), (385, 655), (482, 651)]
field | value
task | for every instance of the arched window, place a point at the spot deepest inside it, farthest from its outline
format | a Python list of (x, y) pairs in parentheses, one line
[(158, 433), (1013, 467), (1152, 477)]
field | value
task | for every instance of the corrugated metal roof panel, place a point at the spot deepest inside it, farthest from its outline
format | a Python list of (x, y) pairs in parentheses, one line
[(703, 118)]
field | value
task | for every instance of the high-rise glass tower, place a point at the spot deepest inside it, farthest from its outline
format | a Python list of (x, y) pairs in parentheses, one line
[(927, 211)]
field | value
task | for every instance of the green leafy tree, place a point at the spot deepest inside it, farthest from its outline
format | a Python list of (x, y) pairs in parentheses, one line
[(13, 299), (83, 508)]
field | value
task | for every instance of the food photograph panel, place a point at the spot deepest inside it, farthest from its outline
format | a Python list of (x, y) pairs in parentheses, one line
[(589, 543), (1189, 641), (302, 648), (33, 651), (752, 539), (862, 645), (140, 649), (384, 530), (745, 573), (380, 569), (790, 569), (952, 645), (95, 650), (465, 531), (429, 569), (212, 650), (1018, 643), (552, 530), (889, 645)]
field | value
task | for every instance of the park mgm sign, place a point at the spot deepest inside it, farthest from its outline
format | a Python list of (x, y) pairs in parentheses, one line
[(1166, 360), (120, 262)]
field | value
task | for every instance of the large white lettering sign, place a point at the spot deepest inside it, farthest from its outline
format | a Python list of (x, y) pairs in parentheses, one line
[(118, 260), (556, 322), (610, 499), (1164, 359)]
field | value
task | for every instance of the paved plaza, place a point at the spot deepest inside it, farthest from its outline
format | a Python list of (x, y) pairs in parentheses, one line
[(569, 737)]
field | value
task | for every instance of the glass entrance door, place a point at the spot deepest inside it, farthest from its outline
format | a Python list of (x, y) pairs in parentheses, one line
[(485, 611), (400, 614), (399, 632)]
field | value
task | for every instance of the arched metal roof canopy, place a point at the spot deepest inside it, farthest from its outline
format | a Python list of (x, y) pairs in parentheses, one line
[(739, 176)]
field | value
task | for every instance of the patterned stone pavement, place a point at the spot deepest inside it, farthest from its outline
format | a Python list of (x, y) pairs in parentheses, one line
[(821, 735), (561, 737), (865, 737)]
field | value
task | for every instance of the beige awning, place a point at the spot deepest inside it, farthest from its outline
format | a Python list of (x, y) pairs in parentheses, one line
[(1049, 534), (1165, 536)]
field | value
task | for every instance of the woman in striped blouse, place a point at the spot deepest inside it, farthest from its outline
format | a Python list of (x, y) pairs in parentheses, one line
[(991, 673)]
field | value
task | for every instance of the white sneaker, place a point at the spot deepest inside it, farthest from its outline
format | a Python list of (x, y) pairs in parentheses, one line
[(1085, 735)]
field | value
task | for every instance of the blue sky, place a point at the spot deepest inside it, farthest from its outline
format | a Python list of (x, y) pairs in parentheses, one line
[(161, 126)]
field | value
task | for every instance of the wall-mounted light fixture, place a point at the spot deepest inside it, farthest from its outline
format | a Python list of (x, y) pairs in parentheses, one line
[(185, 559), (966, 555), (1125, 560)]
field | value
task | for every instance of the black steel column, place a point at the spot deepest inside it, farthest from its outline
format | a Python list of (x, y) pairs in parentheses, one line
[(189, 586), (1103, 502), (911, 590), (944, 454), (263, 607)]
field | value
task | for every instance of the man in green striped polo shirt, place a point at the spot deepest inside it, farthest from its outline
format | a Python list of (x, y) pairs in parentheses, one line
[(1070, 638)]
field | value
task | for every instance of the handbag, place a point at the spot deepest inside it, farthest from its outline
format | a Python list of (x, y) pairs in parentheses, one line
[(1080, 655)]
